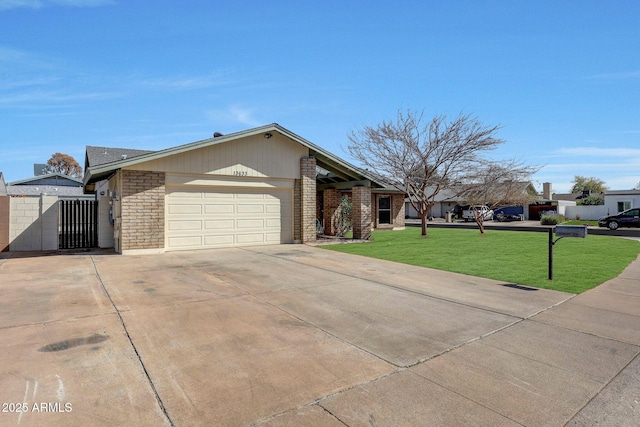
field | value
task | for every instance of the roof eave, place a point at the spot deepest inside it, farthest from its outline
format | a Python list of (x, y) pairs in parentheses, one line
[(93, 174)]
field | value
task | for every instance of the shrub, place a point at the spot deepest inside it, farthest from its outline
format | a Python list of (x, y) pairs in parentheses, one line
[(552, 219)]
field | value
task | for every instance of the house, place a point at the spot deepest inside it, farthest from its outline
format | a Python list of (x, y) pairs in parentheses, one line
[(53, 184), (621, 200), (445, 201), (260, 186), (448, 200)]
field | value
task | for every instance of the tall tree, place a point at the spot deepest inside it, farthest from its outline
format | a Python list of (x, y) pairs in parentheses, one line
[(65, 164), (594, 185), (423, 157), (495, 184)]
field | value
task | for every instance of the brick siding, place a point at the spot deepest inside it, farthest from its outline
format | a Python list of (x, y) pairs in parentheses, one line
[(308, 199), (331, 202), (142, 210), (397, 209), (361, 212)]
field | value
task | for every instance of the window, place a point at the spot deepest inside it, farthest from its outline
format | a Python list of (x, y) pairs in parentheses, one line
[(623, 206), (384, 209)]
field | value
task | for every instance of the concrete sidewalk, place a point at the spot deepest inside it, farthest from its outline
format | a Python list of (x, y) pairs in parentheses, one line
[(294, 335)]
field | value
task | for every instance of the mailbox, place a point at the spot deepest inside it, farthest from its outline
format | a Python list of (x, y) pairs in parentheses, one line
[(571, 231)]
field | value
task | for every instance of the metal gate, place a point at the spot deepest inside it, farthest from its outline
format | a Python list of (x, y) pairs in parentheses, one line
[(78, 224)]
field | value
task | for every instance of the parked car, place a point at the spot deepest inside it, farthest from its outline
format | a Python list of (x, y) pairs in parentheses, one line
[(509, 213), (505, 217), (475, 211), (628, 218)]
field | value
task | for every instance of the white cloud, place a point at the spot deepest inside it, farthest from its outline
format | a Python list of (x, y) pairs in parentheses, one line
[(233, 115), (600, 152), (188, 83), (13, 4), (38, 4)]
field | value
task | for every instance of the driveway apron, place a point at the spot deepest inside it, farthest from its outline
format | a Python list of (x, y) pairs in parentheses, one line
[(296, 335)]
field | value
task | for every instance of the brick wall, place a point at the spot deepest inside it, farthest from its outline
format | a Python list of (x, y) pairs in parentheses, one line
[(4, 223), (33, 223), (361, 212), (142, 210), (331, 202), (297, 208), (308, 199), (397, 209)]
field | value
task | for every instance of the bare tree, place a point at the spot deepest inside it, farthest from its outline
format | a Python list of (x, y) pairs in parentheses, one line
[(423, 157), (65, 164), (494, 184)]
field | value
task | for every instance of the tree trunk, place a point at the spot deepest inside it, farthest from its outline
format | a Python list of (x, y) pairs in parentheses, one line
[(423, 218)]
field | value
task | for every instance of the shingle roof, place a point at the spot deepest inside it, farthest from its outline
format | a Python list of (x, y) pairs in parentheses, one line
[(51, 190), (99, 165), (54, 179), (102, 155)]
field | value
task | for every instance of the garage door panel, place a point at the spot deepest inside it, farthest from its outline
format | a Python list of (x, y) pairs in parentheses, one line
[(273, 209), (184, 225), (209, 217), (251, 196), (218, 241), (218, 224), (250, 209), (254, 239), (219, 209), (250, 223), (185, 242), (189, 209), (208, 195)]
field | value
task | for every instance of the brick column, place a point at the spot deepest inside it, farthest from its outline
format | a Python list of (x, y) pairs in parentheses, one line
[(308, 199), (331, 200), (142, 210), (361, 212), (397, 209)]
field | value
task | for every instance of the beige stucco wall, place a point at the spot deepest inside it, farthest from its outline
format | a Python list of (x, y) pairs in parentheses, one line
[(253, 156)]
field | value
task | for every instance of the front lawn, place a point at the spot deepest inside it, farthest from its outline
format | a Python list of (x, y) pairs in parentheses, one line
[(512, 256), (588, 222)]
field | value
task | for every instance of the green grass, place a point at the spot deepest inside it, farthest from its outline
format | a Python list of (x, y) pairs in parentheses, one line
[(510, 256), (581, 222)]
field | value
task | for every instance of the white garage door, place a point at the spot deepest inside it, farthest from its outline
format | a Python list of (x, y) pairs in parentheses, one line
[(214, 217)]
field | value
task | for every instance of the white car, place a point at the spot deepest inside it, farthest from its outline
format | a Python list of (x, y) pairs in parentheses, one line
[(476, 211)]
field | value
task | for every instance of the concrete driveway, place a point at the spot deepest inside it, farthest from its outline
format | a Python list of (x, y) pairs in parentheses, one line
[(294, 335)]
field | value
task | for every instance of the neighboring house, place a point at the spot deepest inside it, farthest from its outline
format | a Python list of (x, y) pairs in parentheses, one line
[(621, 200), (54, 184), (445, 201), (260, 186)]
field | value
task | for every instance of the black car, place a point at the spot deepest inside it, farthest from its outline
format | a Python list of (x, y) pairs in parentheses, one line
[(628, 218)]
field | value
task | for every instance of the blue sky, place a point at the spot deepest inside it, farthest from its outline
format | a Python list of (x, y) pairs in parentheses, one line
[(562, 78)]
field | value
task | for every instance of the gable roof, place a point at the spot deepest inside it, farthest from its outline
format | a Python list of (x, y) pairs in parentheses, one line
[(96, 156), (340, 170), (58, 179), (53, 184)]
